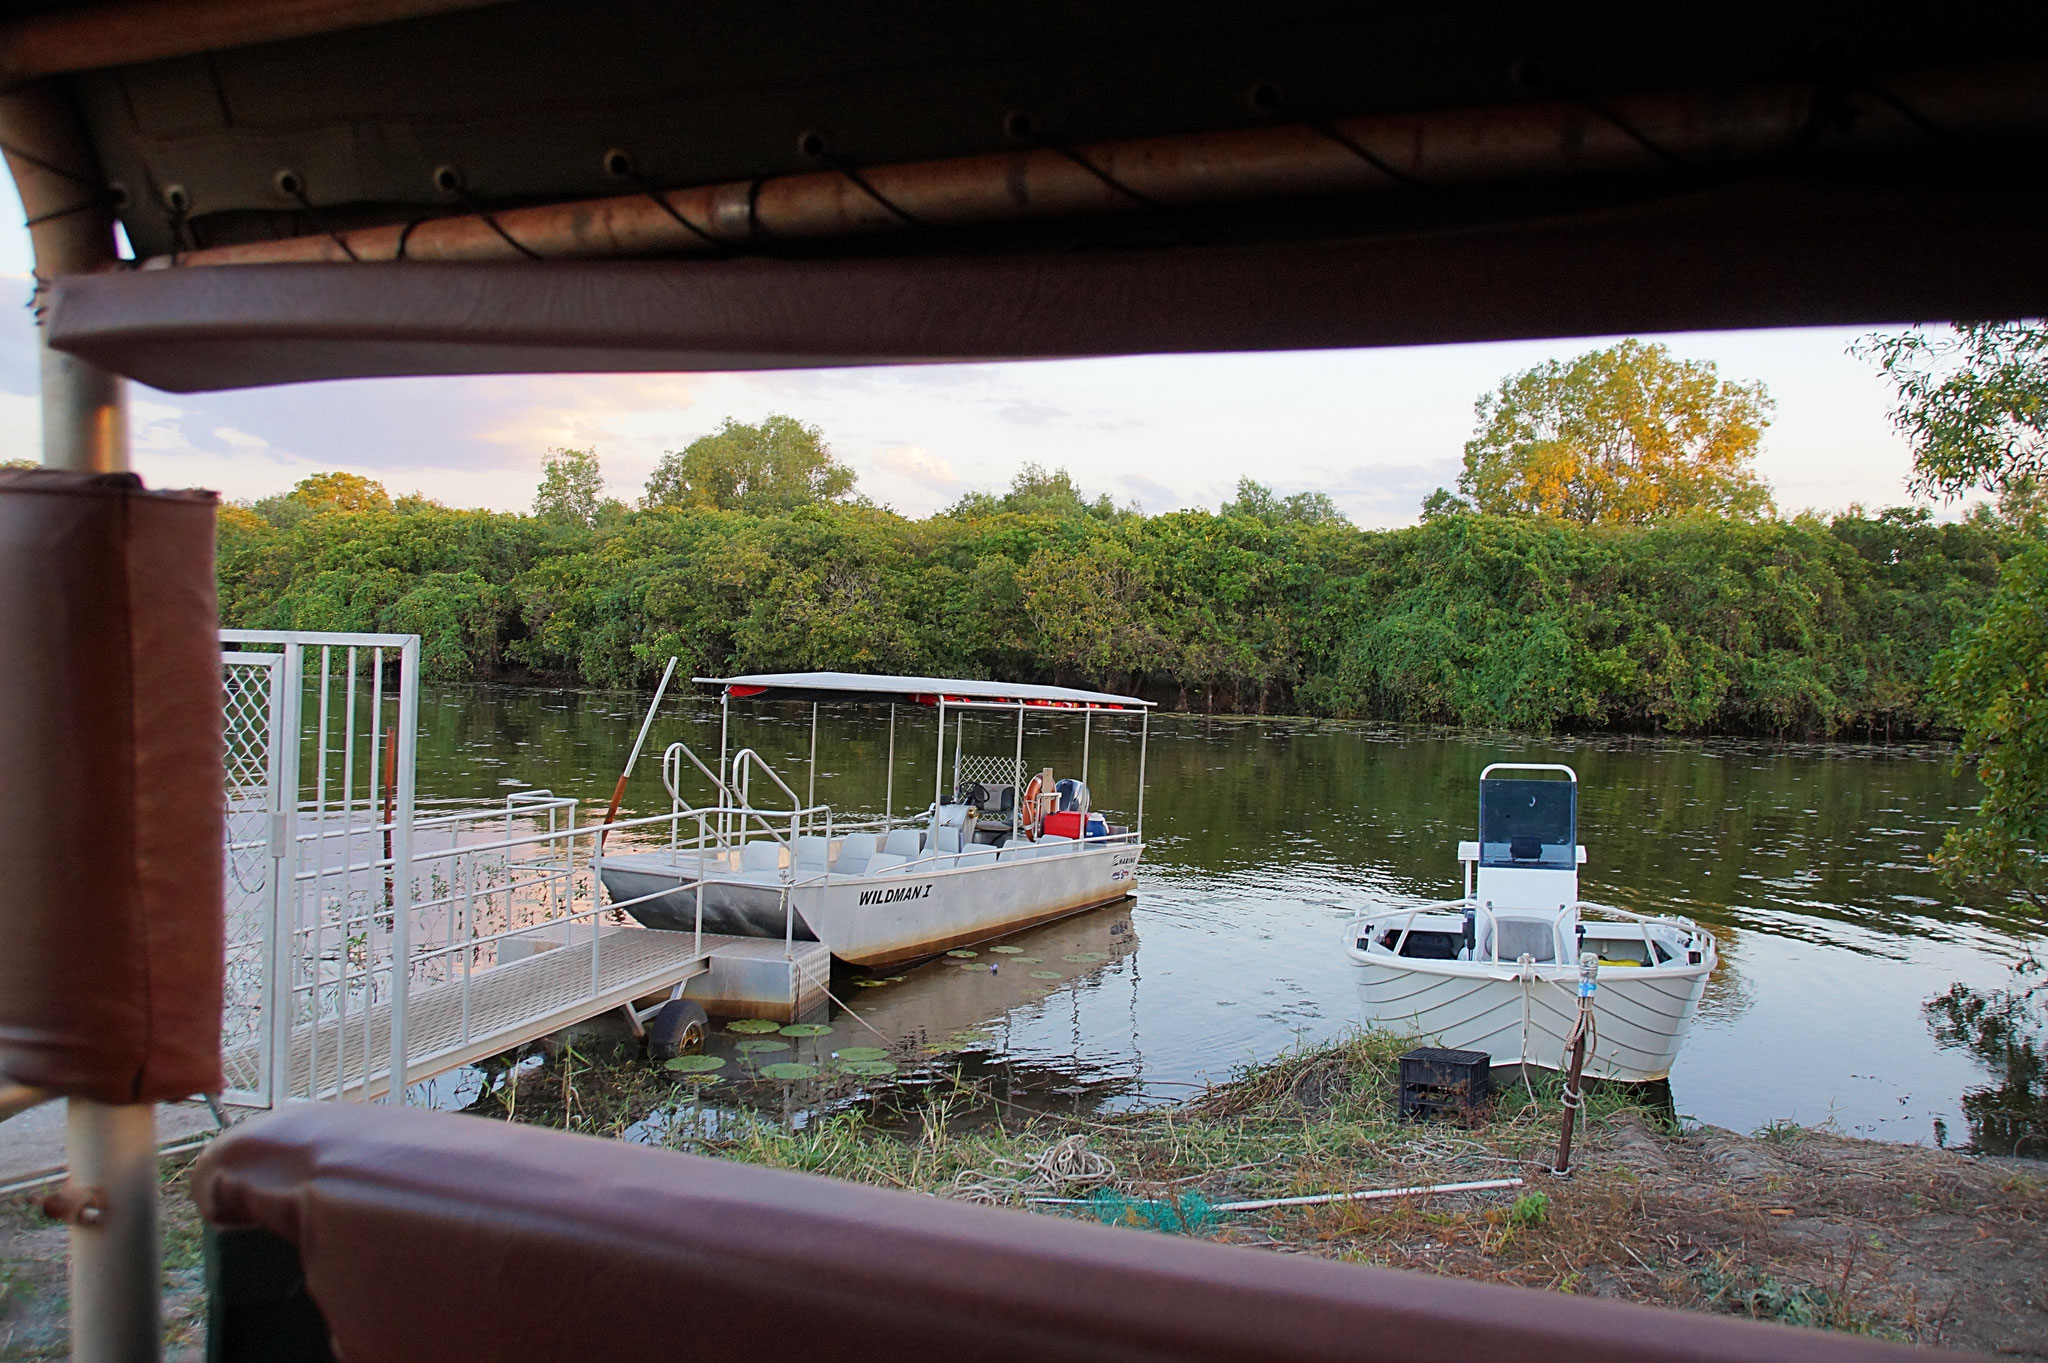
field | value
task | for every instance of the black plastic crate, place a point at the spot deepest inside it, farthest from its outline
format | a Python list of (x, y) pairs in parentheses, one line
[(1440, 1083)]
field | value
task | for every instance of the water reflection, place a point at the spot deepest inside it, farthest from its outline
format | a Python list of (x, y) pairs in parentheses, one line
[(1809, 862), (2006, 1031)]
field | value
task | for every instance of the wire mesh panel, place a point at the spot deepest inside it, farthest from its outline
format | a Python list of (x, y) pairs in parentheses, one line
[(991, 771), (252, 686)]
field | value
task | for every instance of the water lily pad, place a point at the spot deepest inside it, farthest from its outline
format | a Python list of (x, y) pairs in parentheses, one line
[(962, 953), (807, 1029), (757, 1045), (857, 1054), (870, 1069), (695, 1064), (1045, 974), (1007, 951), (974, 965), (752, 1025), (787, 1070), (969, 1034), (870, 984), (1026, 960), (1087, 956)]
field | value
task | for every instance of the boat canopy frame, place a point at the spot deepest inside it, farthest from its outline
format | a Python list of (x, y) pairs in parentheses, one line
[(941, 694)]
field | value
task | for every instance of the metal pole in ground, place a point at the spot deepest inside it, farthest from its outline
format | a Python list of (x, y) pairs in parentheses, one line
[(111, 1200), (889, 785), (111, 1203)]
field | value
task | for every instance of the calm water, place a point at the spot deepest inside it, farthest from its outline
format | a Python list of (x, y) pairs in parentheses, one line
[(1809, 863)]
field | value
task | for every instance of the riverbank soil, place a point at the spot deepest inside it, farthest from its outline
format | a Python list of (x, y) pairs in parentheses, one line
[(1790, 1224)]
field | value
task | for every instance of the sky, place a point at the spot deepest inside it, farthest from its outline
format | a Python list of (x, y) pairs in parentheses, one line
[(1376, 429)]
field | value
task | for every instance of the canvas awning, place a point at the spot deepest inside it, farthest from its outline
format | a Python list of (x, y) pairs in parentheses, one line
[(862, 686)]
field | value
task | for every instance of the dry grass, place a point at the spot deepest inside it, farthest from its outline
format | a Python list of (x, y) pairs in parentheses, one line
[(1793, 1225)]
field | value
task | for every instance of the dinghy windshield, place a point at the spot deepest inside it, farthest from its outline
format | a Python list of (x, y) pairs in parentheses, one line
[(1528, 822)]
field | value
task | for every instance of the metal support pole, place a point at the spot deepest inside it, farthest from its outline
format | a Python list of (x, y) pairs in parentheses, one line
[(959, 732), (116, 1273), (939, 761), (889, 786), (1144, 742), (724, 793), (401, 867), (811, 790), (1087, 726), (115, 1243), (1017, 778)]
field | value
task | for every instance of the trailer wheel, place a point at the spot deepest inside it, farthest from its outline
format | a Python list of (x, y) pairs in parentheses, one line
[(680, 1026)]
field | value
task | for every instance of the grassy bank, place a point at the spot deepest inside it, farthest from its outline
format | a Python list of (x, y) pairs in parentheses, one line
[(1792, 1224)]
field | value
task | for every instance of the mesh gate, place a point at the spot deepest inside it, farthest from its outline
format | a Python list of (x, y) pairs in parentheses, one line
[(253, 686)]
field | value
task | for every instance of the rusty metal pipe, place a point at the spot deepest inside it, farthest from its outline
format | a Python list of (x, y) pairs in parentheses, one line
[(1442, 150), (71, 225)]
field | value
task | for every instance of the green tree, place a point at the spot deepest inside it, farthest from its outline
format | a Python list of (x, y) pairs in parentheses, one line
[(571, 488), (1624, 435), (1037, 491), (1995, 684), (1974, 402), (348, 493), (765, 470), (1261, 503)]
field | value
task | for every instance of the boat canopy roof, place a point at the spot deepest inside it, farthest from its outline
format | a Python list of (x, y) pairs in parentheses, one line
[(860, 686)]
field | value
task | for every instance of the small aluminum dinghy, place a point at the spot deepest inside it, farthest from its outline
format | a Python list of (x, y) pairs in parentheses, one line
[(1497, 971)]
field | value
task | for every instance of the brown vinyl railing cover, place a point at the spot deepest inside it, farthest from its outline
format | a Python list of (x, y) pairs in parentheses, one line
[(428, 1236)]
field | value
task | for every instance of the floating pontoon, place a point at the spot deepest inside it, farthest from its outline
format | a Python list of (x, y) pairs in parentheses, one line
[(1000, 847), (1497, 971)]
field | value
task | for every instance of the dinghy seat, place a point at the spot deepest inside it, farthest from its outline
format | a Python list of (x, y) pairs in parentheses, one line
[(812, 853), (1518, 937), (905, 843), (883, 862), (854, 851), (764, 855), (947, 839)]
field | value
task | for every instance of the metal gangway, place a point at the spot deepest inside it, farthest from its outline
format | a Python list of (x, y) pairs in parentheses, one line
[(370, 934)]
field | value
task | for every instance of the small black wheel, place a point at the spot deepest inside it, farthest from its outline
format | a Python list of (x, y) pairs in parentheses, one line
[(680, 1026)]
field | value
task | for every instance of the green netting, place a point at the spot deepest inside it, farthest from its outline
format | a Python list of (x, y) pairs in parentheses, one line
[(1189, 1214)]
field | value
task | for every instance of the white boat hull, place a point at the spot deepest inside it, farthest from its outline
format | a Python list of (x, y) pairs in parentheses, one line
[(880, 920), (1641, 1014)]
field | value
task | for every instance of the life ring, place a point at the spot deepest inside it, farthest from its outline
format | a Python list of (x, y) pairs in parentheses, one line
[(1027, 811)]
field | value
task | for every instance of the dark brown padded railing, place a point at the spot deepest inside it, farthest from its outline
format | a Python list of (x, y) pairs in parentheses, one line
[(429, 1236)]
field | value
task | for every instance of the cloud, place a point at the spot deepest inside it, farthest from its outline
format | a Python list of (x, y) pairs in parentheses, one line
[(241, 440), (916, 463), (1152, 496)]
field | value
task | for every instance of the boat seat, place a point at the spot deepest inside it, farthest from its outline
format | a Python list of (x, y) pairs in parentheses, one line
[(883, 862), (1054, 842), (980, 856), (762, 855), (1018, 851), (812, 853), (905, 843), (947, 839), (1533, 937), (854, 851)]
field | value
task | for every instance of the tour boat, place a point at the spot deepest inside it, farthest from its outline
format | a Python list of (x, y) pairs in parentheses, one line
[(1000, 847), (1498, 971)]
